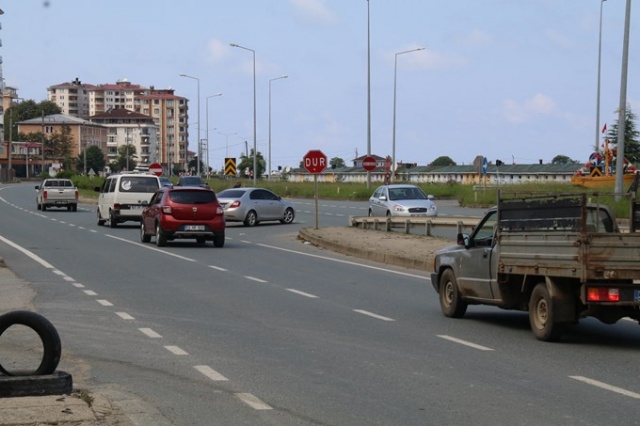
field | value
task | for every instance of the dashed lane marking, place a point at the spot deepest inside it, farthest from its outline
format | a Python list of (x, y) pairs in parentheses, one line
[(464, 342)]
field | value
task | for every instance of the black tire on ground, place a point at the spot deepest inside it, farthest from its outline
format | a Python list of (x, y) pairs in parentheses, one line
[(74, 208), (161, 238), (251, 219), (113, 222), (144, 237), (289, 215), (370, 213), (58, 383), (38, 206), (52, 348), (218, 240), (44, 207), (69, 208), (451, 303), (541, 315)]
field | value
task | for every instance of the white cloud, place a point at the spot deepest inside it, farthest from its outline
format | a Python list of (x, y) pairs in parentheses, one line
[(316, 10), (432, 59), (559, 40), (217, 50), (477, 38), (539, 104)]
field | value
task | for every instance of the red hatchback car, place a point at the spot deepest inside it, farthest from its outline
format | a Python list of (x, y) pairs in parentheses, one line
[(183, 212)]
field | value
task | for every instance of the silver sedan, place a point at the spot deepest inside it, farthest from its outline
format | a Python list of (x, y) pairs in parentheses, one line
[(401, 200), (254, 205)]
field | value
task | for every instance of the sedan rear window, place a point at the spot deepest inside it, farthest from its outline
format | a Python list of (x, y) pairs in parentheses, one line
[(192, 197)]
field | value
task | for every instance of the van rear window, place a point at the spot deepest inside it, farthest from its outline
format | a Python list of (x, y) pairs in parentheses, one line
[(139, 184)]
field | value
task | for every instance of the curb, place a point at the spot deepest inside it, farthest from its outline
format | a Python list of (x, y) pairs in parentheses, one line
[(308, 234)]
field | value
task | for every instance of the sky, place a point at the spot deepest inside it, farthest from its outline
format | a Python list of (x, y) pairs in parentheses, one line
[(514, 80)]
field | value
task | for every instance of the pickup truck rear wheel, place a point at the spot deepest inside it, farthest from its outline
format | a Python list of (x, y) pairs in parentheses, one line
[(451, 303), (541, 315)]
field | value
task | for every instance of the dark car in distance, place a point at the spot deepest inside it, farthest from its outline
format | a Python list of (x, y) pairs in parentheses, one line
[(192, 181), (183, 213)]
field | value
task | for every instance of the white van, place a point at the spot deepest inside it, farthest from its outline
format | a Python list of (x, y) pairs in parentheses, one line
[(122, 197)]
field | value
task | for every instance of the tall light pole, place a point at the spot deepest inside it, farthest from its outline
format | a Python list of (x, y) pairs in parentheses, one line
[(198, 138), (395, 81), (368, 93), (207, 111), (269, 161), (255, 152), (622, 110), (227, 135), (597, 141)]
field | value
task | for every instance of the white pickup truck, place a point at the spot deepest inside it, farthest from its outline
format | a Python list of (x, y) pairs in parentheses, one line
[(57, 193)]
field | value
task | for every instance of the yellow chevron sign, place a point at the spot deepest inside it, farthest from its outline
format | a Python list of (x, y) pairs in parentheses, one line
[(230, 167)]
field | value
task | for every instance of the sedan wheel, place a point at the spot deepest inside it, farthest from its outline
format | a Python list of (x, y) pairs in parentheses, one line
[(144, 237), (289, 215), (251, 219), (161, 238)]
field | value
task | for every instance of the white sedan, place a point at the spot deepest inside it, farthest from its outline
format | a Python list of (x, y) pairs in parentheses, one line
[(401, 200)]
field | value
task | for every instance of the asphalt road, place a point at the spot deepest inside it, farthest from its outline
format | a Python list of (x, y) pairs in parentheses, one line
[(269, 331)]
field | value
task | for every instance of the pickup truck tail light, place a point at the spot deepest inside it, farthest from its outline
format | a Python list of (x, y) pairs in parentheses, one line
[(603, 294), (44, 194), (76, 194)]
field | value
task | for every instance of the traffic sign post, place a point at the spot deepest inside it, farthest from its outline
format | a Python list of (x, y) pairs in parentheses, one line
[(315, 162), (156, 169)]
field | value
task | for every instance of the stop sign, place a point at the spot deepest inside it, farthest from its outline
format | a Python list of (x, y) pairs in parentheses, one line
[(314, 161), (369, 163), (156, 169)]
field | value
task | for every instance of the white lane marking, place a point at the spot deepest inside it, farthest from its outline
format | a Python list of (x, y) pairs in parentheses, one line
[(245, 241), (606, 386), (104, 302), (124, 316), (302, 293), (464, 342), (217, 268), (176, 350), (210, 373), (346, 262), (372, 315), (255, 279), (68, 278), (253, 401), (150, 248), (59, 272), (78, 285), (150, 333), (90, 293), (27, 253)]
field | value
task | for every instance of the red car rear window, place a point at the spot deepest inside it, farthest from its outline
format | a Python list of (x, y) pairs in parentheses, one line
[(192, 197)]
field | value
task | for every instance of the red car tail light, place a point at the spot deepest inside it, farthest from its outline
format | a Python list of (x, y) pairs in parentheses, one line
[(166, 209), (219, 210), (234, 204), (602, 294)]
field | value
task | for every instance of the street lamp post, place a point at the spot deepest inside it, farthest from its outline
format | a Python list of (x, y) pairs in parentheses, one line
[(269, 161), (395, 81), (368, 92), (227, 135), (255, 152), (597, 141), (207, 125), (198, 138)]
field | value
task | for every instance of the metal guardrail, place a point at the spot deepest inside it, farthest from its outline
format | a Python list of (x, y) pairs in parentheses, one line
[(388, 223)]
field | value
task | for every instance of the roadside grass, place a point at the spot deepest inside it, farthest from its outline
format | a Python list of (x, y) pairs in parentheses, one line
[(467, 195)]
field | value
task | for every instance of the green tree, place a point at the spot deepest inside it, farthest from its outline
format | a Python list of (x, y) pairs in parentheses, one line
[(193, 165), (563, 159), (443, 161), (126, 158), (631, 136), (336, 163), (246, 162), (95, 160)]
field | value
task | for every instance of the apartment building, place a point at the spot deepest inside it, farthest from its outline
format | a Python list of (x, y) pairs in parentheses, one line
[(126, 127), (168, 111)]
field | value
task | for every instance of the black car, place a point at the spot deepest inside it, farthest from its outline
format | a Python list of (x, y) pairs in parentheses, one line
[(192, 181)]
